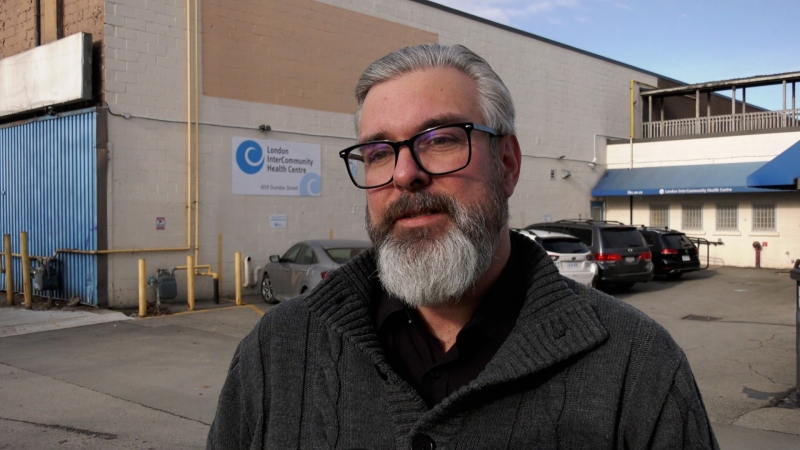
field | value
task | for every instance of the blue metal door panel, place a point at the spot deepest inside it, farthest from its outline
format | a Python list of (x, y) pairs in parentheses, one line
[(48, 188)]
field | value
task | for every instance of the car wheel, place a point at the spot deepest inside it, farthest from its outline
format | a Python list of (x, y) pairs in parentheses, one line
[(266, 290)]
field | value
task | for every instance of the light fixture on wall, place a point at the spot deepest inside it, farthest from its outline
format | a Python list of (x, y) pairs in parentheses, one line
[(565, 174)]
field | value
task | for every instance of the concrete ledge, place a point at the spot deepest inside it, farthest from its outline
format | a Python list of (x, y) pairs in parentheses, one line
[(22, 321)]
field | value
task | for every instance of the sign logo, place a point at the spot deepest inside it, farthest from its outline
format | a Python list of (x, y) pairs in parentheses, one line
[(271, 167), (250, 157)]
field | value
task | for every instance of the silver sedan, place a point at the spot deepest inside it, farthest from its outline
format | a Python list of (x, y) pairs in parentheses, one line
[(304, 265)]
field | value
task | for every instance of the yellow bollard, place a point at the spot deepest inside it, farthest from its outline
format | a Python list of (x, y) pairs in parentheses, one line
[(26, 270), (238, 277), (9, 270), (142, 288), (190, 281)]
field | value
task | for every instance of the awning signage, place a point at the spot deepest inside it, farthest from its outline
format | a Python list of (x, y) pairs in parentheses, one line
[(677, 180)]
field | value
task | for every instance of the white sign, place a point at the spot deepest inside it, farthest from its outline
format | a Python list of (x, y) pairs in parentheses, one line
[(277, 221), (262, 167)]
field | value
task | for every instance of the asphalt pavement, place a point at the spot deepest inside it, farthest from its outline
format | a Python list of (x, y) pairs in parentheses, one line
[(76, 378)]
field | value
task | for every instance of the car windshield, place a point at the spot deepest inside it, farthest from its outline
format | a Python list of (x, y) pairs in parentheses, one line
[(677, 241), (621, 237), (343, 254), (564, 245)]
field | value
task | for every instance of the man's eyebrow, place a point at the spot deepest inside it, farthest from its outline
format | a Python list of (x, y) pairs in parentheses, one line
[(430, 123)]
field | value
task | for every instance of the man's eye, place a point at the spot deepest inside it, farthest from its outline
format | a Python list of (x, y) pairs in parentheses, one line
[(440, 139), (378, 154)]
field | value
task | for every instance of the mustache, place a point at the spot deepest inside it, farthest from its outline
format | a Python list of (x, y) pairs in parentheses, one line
[(422, 202)]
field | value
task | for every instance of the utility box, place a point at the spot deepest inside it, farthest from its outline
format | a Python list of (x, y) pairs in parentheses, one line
[(46, 276), (167, 287)]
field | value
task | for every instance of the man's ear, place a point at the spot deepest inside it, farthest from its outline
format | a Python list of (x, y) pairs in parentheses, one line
[(511, 160)]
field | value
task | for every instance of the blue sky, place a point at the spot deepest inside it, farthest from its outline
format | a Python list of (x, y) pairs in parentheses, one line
[(691, 41)]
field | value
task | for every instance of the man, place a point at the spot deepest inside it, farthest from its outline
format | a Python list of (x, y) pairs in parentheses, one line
[(452, 332)]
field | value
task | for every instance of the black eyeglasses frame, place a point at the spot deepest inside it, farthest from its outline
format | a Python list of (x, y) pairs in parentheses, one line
[(397, 145)]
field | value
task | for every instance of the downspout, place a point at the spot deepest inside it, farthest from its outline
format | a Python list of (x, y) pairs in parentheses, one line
[(37, 33)]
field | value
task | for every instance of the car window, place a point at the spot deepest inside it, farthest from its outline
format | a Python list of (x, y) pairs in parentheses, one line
[(291, 254), (583, 234), (342, 255), (564, 245), (677, 241), (305, 256), (649, 239), (621, 237)]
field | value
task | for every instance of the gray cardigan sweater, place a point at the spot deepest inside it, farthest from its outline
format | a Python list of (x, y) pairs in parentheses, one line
[(580, 370)]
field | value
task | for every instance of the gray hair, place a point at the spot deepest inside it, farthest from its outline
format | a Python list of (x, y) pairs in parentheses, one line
[(494, 98)]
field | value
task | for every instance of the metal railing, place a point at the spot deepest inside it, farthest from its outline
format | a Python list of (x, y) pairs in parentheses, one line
[(763, 120)]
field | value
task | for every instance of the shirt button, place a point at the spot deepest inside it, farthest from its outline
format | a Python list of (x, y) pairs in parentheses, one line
[(422, 442)]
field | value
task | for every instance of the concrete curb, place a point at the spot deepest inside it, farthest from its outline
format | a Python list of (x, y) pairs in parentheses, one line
[(14, 321)]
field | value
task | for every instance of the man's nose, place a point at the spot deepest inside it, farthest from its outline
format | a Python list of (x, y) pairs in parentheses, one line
[(408, 175)]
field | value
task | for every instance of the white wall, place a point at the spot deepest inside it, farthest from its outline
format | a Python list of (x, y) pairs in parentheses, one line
[(701, 150), (782, 246)]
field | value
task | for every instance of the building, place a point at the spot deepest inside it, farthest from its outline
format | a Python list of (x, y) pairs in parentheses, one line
[(207, 128), (730, 178)]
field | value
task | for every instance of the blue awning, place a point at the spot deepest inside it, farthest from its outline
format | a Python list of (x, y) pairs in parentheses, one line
[(780, 173), (678, 180)]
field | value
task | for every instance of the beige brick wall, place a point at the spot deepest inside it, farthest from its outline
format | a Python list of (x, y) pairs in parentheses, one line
[(299, 53), (17, 27)]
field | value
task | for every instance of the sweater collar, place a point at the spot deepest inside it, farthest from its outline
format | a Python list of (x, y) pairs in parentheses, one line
[(554, 323)]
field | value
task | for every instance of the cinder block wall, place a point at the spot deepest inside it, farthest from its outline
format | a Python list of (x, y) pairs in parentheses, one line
[(292, 65)]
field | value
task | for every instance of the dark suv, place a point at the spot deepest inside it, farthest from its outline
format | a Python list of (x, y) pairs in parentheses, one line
[(619, 250), (673, 253)]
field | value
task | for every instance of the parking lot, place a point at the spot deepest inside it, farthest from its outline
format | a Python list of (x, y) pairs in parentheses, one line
[(154, 382)]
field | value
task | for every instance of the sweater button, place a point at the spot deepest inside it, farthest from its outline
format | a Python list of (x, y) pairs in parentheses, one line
[(422, 442)]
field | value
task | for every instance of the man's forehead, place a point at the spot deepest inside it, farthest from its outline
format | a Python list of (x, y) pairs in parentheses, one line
[(418, 100)]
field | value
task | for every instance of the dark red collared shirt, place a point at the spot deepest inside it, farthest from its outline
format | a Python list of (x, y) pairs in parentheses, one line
[(418, 356)]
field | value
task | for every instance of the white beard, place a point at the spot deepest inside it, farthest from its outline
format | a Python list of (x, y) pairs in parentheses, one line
[(440, 271), (424, 270)]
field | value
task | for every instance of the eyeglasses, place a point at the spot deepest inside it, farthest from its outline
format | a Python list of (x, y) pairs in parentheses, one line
[(437, 151)]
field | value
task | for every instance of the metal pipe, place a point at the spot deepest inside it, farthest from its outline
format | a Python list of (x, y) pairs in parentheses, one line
[(190, 281), (9, 271), (26, 270), (188, 127), (37, 29), (196, 137), (237, 260), (142, 288), (219, 260)]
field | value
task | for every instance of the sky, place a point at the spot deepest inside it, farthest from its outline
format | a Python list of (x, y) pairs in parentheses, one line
[(692, 41)]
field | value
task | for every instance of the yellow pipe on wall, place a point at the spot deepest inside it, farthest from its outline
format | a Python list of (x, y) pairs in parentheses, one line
[(26, 270), (190, 281), (188, 126), (8, 270), (238, 277), (196, 136), (142, 288)]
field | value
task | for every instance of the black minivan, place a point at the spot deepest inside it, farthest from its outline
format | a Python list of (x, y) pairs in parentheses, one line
[(673, 253), (622, 256)]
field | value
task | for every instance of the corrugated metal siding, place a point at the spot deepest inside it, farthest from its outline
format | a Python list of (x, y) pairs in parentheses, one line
[(48, 188)]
